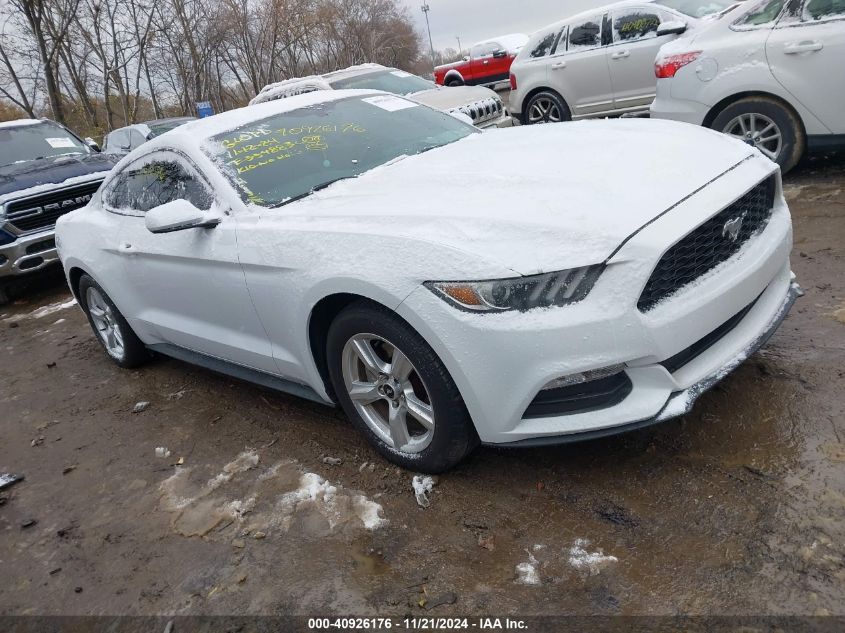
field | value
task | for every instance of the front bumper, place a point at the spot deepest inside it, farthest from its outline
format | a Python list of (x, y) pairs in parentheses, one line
[(501, 362), (28, 253), (680, 402), (503, 121)]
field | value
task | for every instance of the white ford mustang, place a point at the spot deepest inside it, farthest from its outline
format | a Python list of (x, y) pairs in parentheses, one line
[(613, 272)]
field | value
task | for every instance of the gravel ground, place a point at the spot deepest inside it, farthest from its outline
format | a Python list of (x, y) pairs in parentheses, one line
[(737, 508)]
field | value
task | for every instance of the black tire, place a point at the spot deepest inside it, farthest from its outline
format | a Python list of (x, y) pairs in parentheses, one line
[(793, 138), (4, 295), (454, 435), (454, 82), (552, 98), (134, 352)]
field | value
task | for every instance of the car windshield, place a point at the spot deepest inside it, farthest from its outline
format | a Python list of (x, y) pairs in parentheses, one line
[(698, 8), (289, 155), (395, 81), (158, 128), (24, 143)]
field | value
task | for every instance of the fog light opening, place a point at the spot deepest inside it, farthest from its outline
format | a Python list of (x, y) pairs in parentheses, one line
[(583, 376)]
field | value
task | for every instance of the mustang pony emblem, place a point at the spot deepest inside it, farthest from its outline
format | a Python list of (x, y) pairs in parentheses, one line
[(732, 227)]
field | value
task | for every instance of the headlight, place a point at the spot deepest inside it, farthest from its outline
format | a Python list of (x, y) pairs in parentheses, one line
[(520, 293)]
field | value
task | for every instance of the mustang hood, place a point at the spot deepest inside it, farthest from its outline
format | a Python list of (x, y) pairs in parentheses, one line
[(533, 199)]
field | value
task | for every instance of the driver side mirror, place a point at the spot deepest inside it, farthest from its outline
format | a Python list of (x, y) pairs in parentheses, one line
[(465, 58), (499, 54), (178, 215), (674, 27), (90, 142)]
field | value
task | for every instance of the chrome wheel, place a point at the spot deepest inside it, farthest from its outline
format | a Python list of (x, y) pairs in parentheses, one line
[(544, 110), (105, 323), (757, 130), (388, 392)]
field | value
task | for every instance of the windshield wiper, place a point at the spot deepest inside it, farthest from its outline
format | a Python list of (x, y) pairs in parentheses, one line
[(313, 189)]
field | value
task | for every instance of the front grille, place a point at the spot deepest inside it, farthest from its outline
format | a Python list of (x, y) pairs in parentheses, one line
[(42, 211), (712, 243), (483, 110)]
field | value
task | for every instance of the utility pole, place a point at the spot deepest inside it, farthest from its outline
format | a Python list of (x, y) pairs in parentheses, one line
[(460, 50), (425, 9)]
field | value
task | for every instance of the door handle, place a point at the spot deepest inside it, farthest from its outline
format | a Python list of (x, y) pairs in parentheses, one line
[(793, 48), (558, 65), (620, 55), (486, 61)]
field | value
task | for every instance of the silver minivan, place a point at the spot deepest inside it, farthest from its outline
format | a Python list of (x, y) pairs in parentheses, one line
[(600, 62)]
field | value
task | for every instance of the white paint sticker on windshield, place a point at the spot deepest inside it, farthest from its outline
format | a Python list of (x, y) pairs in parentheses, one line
[(400, 73), (390, 103), (62, 141)]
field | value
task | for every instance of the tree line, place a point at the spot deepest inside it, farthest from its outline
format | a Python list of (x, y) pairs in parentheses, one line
[(96, 65)]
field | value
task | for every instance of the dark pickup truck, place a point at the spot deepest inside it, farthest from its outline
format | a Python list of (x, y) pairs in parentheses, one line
[(45, 172)]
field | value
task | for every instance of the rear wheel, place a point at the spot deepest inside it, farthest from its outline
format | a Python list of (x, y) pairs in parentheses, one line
[(109, 325), (546, 107), (766, 124), (454, 81), (396, 390)]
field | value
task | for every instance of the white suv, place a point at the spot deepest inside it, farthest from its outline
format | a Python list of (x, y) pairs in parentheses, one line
[(771, 74), (600, 62)]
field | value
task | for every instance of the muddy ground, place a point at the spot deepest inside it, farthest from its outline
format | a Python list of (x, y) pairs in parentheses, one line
[(736, 508)]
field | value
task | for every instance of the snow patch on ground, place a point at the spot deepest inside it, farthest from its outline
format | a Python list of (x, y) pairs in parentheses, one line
[(590, 562), (281, 498), (527, 573), (422, 485), (43, 311)]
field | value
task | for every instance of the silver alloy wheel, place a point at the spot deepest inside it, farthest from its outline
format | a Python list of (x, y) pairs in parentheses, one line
[(544, 110), (388, 392), (105, 323), (758, 130)]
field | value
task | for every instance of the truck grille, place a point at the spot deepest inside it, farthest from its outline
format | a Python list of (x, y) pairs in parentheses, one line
[(42, 211), (483, 110), (710, 244)]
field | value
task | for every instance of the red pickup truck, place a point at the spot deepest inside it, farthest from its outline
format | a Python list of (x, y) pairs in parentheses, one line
[(489, 62)]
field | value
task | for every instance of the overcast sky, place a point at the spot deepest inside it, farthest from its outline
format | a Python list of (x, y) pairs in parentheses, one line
[(474, 20)]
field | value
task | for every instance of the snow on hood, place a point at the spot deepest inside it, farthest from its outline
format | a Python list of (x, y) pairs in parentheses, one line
[(454, 97), (533, 199)]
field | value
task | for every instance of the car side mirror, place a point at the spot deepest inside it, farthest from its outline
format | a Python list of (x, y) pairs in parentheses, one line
[(90, 142), (178, 215), (500, 54), (674, 27), (465, 58)]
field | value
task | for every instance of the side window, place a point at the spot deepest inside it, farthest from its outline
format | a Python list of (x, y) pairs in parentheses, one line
[(136, 139), (823, 9), (765, 12), (585, 35), (141, 188), (544, 46), (488, 48), (634, 24), (119, 139)]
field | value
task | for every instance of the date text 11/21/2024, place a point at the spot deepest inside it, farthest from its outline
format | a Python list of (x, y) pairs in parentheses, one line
[(418, 623)]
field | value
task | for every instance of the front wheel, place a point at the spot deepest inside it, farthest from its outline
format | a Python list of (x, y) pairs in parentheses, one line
[(546, 107), (396, 390), (109, 325), (454, 82), (766, 124)]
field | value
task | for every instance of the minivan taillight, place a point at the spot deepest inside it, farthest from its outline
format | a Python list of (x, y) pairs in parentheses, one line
[(513, 81), (666, 67)]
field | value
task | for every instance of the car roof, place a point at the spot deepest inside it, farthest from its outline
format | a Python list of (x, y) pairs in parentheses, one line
[(354, 71), (516, 39), (21, 122), (186, 136), (597, 10)]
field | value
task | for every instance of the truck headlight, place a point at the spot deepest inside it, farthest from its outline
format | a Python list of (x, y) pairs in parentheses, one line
[(519, 293)]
